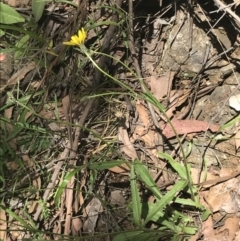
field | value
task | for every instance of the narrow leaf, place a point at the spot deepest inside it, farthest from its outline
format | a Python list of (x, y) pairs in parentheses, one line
[(180, 169), (136, 203), (21, 30), (37, 9), (105, 165), (63, 184), (128, 236), (189, 230), (18, 218), (21, 45), (166, 199), (189, 202), (205, 215), (145, 177), (147, 208)]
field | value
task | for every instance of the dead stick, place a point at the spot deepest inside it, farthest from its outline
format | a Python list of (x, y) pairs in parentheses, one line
[(229, 11)]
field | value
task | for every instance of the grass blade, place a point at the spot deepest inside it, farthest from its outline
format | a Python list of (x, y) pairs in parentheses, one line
[(136, 203)]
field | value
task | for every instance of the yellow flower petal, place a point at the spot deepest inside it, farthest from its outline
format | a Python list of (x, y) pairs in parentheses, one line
[(79, 33), (84, 35), (77, 39), (68, 43), (80, 36)]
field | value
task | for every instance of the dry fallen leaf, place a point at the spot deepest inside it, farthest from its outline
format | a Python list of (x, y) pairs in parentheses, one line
[(93, 210), (177, 98), (66, 106), (120, 169), (116, 198), (143, 114), (127, 147), (28, 161), (77, 225), (160, 86), (2, 57), (148, 136), (54, 126), (219, 199), (3, 224), (8, 114), (32, 208), (19, 75), (188, 126), (142, 130), (194, 174), (15, 3), (230, 227)]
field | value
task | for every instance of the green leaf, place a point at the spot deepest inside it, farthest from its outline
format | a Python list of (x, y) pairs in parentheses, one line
[(16, 130), (149, 97), (149, 235), (230, 123), (147, 208), (175, 165), (2, 32), (18, 218), (37, 9), (21, 30), (145, 177), (205, 215), (9, 15), (63, 184), (189, 202), (189, 230), (181, 170), (136, 203), (166, 199), (171, 225), (128, 236), (105, 165), (21, 45)]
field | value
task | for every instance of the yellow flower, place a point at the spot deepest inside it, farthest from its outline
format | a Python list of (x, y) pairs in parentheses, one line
[(77, 39)]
